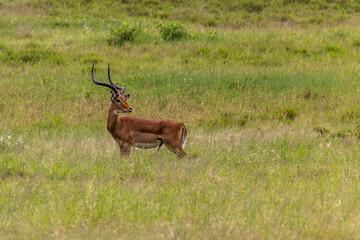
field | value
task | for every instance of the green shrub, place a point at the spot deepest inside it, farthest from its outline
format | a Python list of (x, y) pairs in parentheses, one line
[(356, 132), (356, 43), (212, 35), (60, 24), (173, 32), (342, 133), (211, 22), (349, 115), (125, 33), (32, 53), (221, 53), (307, 94), (287, 114), (334, 50), (227, 119), (321, 130), (254, 6)]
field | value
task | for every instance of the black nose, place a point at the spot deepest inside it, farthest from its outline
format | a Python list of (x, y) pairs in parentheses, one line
[(130, 109)]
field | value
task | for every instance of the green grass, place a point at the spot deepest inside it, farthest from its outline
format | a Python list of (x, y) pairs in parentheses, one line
[(251, 183), (251, 81)]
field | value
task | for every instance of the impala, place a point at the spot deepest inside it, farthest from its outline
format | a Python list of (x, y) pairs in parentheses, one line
[(130, 131)]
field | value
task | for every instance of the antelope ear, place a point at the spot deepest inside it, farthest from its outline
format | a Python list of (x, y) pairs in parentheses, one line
[(126, 96)]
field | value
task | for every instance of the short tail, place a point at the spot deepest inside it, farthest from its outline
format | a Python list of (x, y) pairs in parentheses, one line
[(183, 136)]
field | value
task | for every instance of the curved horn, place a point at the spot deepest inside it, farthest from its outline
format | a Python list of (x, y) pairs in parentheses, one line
[(101, 83), (120, 88)]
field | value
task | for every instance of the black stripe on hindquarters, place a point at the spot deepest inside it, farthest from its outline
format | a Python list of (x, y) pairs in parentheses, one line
[(162, 142)]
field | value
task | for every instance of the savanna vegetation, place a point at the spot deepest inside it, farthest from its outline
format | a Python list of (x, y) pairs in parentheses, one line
[(269, 92)]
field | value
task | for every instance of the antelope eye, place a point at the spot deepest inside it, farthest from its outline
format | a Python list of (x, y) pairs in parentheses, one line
[(118, 100)]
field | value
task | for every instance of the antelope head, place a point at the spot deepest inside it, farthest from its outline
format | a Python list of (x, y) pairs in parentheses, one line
[(118, 100)]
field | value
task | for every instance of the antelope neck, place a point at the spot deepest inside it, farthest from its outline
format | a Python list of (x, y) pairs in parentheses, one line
[(112, 119)]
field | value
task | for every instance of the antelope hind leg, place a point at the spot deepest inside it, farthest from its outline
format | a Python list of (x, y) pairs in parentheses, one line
[(176, 149)]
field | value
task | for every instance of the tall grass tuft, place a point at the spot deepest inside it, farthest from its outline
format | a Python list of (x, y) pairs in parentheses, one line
[(124, 33), (173, 32)]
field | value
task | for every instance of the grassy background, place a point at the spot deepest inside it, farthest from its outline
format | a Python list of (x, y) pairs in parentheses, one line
[(251, 83)]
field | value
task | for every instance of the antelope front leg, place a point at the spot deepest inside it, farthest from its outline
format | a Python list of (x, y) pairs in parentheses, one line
[(125, 149)]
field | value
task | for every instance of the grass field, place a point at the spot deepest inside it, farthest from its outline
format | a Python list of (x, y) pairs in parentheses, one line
[(251, 80)]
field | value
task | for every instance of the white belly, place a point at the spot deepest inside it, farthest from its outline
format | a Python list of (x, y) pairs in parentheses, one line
[(143, 145), (147, 145)]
